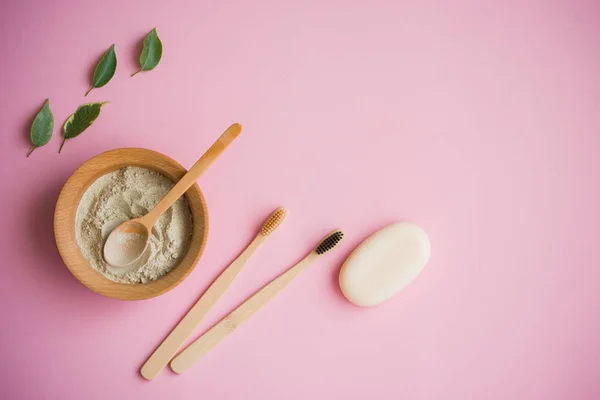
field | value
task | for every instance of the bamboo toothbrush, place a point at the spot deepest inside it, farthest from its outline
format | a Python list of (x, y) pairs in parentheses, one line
[(208, 340), (167, 349)]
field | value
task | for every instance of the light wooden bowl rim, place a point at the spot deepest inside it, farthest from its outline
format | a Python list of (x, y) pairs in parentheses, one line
[(66, 209)]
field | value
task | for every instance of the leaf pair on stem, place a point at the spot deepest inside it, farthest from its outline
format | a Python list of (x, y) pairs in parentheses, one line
[(149, 59), (43, 124)]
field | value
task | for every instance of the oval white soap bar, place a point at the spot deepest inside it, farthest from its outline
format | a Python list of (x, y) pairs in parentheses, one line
[(384, 264)]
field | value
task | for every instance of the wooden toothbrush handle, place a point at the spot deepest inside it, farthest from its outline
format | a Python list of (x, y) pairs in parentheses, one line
[(169, 347), (208, 340), (192, 175)]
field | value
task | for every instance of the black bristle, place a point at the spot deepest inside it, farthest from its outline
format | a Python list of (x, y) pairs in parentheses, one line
[(329, 242)]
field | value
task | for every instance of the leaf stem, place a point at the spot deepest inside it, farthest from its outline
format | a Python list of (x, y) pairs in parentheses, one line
[(31, 151), (135, 73), (62, 144), (86, 93)]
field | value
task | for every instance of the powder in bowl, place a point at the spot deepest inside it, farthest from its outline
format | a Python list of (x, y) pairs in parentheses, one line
[(120, 196)]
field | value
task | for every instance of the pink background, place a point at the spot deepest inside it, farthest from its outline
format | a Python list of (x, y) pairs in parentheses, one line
[(477, 120)]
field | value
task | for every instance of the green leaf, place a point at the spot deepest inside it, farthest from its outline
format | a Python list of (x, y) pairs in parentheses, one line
[(105, 69), (80, 120), (41, 128), (151, 53)]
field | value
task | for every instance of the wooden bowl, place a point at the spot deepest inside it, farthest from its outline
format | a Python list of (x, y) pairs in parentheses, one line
[(66, 208)]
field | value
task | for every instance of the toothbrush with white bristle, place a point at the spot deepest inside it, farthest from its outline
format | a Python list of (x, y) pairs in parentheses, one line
[(208, 340), (168, 348)]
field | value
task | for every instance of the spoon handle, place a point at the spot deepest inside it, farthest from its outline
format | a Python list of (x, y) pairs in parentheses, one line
[(192, 175)]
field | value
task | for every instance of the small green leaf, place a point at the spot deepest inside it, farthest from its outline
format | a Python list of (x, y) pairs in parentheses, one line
[(151, 53), (105, 69), (41, 128), (80, 120)]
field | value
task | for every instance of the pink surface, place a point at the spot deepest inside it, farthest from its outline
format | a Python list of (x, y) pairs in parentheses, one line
[(477, 120)]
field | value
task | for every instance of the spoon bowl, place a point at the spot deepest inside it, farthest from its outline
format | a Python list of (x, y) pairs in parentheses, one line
[(126, 243)]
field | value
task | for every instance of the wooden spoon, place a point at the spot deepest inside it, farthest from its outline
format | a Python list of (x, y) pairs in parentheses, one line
[(128, 241)]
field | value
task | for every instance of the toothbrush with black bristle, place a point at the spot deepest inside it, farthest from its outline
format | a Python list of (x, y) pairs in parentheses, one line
[(208, 340)]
